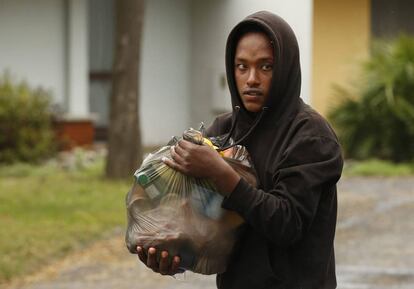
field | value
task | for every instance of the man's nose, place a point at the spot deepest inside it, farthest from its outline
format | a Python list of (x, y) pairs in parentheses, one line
[(253, 78)]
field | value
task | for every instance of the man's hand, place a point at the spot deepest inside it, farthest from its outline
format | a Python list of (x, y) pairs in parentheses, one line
[(202, 161), (163, 266), (152, 250)]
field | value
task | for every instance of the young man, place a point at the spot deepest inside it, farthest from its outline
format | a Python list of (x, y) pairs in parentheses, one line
[(287, 239)]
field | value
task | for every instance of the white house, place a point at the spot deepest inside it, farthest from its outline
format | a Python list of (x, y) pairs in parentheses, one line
[(67, 47)]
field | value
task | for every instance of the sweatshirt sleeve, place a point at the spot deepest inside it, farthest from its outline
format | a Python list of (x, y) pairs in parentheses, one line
[(284, 213)]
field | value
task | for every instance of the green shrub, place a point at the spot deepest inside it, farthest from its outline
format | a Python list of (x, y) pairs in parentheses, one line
[(25, 122), (377, 120)]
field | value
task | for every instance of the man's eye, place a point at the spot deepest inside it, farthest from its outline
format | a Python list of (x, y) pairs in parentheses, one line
[(241, 66), (267, 67)]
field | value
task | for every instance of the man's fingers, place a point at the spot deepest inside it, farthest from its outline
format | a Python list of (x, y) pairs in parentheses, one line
[(171, 163), (175, 265), (180, 151), (163, 267), (184, 144), (152, 259), (164, 270), (141, 255), (168, 162), (174, 165), (176, 156)]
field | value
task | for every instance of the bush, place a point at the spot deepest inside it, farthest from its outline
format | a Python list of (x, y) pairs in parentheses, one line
[(25, 122), (377, 120)]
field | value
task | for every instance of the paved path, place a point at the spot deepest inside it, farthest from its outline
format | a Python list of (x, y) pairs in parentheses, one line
[(375, 233), (374, 248)]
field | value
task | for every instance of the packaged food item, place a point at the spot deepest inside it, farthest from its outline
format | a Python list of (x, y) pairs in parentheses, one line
[(182, 214)]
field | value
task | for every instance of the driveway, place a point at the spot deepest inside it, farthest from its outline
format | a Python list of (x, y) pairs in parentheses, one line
[(374, 248)]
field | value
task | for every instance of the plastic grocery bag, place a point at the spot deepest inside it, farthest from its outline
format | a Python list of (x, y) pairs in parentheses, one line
[(182, 214)]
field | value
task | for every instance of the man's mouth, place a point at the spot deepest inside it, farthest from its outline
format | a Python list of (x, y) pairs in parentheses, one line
[(253, 92)]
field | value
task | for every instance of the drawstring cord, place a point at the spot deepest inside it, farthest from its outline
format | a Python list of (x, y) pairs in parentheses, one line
[(233, 126), (256, 122)]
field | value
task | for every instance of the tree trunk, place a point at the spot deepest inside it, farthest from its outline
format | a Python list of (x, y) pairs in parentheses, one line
[(124, 137)]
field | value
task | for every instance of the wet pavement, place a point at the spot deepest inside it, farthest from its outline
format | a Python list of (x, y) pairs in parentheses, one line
[(375, 233), (374, 248)]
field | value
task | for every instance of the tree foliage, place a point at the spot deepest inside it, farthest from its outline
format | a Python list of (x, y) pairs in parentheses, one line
[(377, 120)]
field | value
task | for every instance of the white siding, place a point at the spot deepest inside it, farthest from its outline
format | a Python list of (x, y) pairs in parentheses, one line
[(165, 70), (77, 61), (32, 43)]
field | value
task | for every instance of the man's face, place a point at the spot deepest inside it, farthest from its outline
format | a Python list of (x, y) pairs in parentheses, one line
[(253, 69)]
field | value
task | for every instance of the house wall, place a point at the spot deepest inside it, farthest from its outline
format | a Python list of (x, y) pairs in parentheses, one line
[(182, 61), (45, 44), (341, 31), (165, 70), (77, 66), (32, 45), (211, 23)]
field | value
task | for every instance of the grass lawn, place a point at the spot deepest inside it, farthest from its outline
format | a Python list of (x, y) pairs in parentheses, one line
[(46, 211), (377, 167)]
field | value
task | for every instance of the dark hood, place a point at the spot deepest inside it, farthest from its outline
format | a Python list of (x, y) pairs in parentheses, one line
[(284, 94)]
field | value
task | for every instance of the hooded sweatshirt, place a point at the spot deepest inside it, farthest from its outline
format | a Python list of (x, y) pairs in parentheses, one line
[(287, 240)]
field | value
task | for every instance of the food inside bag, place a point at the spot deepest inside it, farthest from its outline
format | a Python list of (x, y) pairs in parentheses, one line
[(181, 214)]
